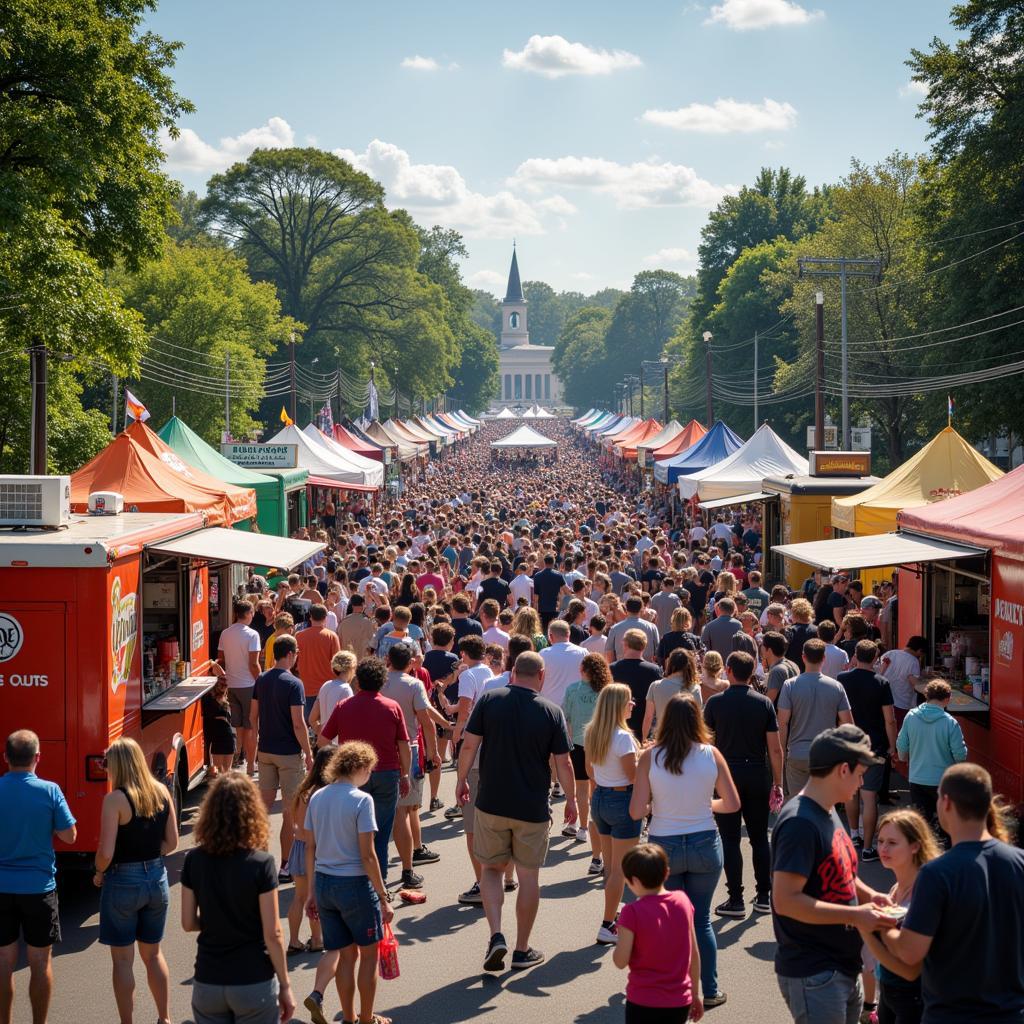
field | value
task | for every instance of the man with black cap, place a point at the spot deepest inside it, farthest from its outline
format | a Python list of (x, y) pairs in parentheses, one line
[(818, 902)]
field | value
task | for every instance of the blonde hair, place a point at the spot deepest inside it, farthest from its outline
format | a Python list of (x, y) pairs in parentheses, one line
[(914, 829), (712, 664), (801, 610), (527, 622), (126, 767), (726, 583), (611, 713), (682, 619), (343, 661)]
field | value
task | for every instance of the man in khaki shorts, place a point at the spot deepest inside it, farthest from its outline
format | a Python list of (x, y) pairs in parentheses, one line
[(512, 817), (282, 739)]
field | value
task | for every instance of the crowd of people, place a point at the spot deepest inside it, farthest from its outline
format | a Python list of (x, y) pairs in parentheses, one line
[(563, 642)]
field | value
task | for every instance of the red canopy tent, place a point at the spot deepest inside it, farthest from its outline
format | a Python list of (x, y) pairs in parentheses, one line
[(357, 445), (686, 438), (626, 447), (155, 481)]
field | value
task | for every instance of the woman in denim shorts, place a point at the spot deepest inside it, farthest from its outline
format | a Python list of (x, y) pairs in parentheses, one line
[(611, 754), (137, 830), (348, 897), (314, 781)]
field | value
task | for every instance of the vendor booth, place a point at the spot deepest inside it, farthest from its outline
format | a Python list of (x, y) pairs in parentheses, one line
[(522, 444), (625, 447), (741, 474), (372, 472), (326, 469), (506, 414), (714, 447), (682, 442), (158, 483), (671, 430), (280, 494), (360, 445)]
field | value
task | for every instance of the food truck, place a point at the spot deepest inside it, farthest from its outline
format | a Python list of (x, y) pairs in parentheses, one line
[(108, 624)]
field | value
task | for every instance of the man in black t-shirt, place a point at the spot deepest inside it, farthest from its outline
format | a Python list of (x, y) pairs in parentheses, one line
[(547, 588), (964, 921), (817, 899), (802, 630), (871, 705), (837, 603), (637, 674), (493, 587), (520, 732), (747, 733)]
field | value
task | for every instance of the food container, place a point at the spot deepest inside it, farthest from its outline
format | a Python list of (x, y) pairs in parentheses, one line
[(167, 651)]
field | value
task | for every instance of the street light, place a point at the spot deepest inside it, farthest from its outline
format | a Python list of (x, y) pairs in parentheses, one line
[(707, 371)]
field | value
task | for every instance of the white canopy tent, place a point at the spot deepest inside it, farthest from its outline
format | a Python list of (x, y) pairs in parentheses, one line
[(543, 414), (373, 469), (529, 414), (320, 462), (506, 414), (524, 437), (765, 454)]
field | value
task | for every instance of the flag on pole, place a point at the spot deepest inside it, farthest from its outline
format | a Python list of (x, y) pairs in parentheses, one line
[(950, 405), (373, 410), (134, 408), (285, 418)]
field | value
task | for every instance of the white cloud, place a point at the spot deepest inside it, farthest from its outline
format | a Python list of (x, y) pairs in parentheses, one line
[(188, 152), (581, 275), (438, 194), (726, 116), (914, 89), (555, 56), (742, 15), (633, 186), (666, 257), (488, 280), (418, 63), (557, 204)]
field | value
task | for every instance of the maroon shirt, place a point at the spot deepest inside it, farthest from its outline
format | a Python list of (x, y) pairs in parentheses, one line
[(373, 719)]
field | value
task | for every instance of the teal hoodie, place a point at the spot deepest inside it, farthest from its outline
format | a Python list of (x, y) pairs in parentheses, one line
[(934, 740)]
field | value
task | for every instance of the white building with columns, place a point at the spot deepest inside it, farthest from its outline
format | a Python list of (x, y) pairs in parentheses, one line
[(526, 374)]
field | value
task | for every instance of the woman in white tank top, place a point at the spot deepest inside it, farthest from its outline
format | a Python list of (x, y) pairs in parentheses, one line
[(675, 783)]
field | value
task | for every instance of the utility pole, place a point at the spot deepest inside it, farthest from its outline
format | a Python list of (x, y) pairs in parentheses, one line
[(113, 418), (291, 371), (756, 420), (227, 394), (842, 267), (37, 363), (710, 410), (819, 376), (641, 391)]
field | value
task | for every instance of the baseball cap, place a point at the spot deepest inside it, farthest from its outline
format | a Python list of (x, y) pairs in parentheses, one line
[(870, 602), (840, 577), (846, 743)]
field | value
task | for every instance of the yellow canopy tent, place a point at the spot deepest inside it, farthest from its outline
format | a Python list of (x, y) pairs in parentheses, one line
[(946, 466)]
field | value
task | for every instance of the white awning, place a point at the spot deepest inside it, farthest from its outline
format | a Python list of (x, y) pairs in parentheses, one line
[(219, 545), (874, 551), (736, 499)]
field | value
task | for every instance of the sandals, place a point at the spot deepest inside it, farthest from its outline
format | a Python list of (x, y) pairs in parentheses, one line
[(305, 947)]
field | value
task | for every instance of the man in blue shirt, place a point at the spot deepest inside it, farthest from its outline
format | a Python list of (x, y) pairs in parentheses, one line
[(28, 887)]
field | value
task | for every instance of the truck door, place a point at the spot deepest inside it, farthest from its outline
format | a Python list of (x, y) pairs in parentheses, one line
[(33, 679)]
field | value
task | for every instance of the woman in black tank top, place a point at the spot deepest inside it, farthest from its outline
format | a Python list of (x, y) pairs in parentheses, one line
[(137, 830)]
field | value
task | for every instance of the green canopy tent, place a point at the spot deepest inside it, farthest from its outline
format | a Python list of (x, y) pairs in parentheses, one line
[(274, 488)]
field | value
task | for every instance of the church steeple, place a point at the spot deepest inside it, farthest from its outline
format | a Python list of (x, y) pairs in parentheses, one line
[(514, 291)]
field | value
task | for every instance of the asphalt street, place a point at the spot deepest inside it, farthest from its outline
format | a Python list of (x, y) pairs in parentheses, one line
[(441, 948)]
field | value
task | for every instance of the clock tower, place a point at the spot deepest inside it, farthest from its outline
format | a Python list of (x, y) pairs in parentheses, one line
[(513, 310)]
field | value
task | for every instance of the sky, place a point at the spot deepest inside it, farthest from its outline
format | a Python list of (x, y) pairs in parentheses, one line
[(597, 135)]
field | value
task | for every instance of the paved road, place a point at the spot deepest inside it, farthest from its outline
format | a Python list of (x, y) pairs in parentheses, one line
[(441, 949)]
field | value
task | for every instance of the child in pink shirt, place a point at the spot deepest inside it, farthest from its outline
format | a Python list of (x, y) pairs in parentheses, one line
[(657, 942)]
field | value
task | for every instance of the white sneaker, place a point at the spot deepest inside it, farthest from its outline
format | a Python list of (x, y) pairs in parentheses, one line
[(582, 835), (608, 936), (596, 866), (569, 831)]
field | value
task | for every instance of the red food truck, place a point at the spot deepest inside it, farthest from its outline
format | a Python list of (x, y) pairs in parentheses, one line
[(107, 628)]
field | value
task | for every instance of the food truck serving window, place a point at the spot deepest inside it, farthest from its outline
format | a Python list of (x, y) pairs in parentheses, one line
[(876, 550), (217, 545)]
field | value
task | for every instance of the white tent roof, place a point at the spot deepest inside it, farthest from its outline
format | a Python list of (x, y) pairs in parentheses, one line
[(529, 414), (765, 454), (543, 414), (524, 437), (320, 462), (506, 414), (673, 429), (374, 470)]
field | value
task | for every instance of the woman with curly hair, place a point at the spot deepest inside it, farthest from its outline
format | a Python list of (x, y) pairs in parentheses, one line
[(348, 895), (578, 704), (527, 622), (229, 896)]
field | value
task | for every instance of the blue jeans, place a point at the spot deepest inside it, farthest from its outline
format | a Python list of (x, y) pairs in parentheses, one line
[(349, 910), (830, 997), (133, 903), (694, 866), (383, 788)]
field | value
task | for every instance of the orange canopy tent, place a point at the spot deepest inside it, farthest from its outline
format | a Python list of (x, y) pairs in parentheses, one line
[(627, 446), (153, 478), (630, 433), (686, 438)]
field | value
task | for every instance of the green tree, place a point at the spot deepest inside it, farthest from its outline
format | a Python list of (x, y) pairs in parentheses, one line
[(486, 311), (475, 377), (580, 358), (200, 310)]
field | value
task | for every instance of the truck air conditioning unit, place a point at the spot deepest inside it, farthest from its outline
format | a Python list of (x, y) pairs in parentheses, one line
[(106, 503), (39, 501)]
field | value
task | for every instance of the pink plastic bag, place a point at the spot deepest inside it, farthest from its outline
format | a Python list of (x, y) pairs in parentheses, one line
[(387, 955)]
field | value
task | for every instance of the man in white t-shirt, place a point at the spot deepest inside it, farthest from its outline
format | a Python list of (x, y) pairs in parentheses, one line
[(902, 669), (373, 587), (521, 586), (561, 662), (721, 530), (238, 652), (697, 532), (472, 674)]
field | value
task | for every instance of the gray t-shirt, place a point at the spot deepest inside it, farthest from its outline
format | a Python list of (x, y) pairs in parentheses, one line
[(409, 694), (815, 701), (661, 691), (718, 633), (336, 815), (616, 633), (778, 674), (664, 603)]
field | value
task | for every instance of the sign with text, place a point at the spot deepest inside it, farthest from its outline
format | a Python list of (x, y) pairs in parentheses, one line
[(262, 456), (840, 463)]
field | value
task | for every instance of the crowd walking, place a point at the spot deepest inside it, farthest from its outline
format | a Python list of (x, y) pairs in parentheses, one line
[(591, 665)]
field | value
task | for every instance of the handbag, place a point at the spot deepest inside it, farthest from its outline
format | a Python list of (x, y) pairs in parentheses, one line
[(387, 955)]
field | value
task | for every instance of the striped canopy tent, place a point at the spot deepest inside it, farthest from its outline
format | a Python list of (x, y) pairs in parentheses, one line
[(373, 471), (406, 450), (361, 446), (325, 465)]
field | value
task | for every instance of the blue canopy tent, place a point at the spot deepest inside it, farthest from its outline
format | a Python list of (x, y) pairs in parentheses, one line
[(717, 444)]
